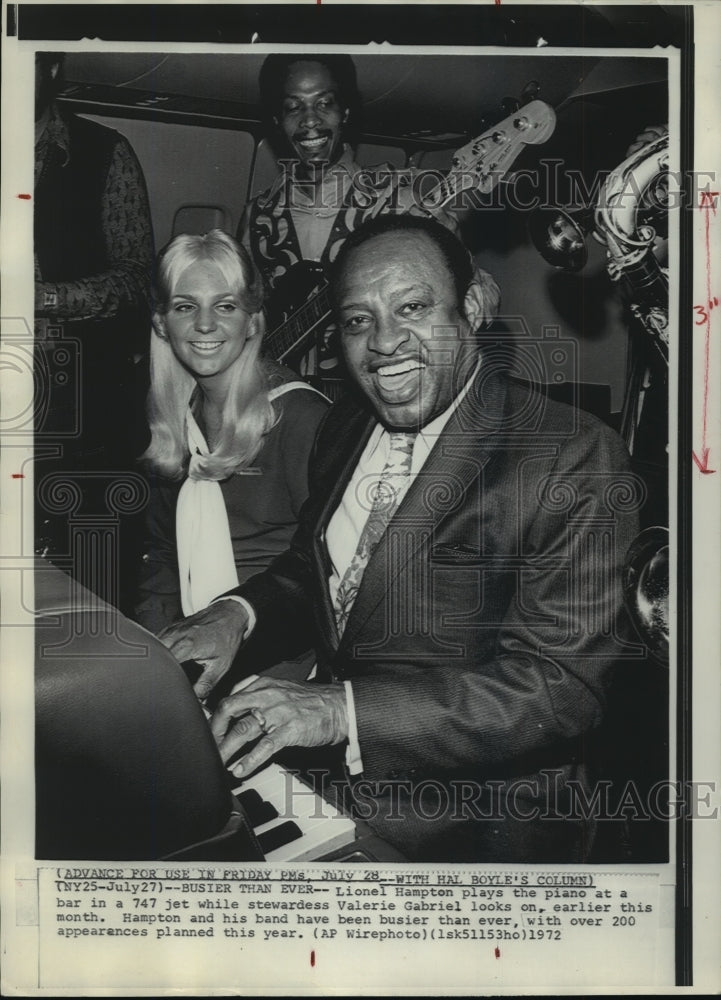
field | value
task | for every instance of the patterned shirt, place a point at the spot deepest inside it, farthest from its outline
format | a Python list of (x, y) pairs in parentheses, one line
[(324, 214), (127, 231)]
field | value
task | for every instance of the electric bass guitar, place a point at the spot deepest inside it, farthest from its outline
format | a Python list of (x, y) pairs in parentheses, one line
[(301, 296)]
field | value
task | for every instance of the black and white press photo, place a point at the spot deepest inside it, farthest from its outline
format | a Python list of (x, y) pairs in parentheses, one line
[(361, 415)]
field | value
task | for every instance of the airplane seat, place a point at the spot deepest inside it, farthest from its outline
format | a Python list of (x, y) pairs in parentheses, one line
[(199, 219), (125, 765), (265, 168)]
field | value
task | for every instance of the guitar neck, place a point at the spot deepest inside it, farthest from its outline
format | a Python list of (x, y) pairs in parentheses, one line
[(292, 335)]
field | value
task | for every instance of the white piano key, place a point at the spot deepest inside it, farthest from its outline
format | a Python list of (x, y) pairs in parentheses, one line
[(323, 827)]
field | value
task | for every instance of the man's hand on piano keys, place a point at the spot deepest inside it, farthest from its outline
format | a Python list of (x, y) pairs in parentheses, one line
[(212, 637), (283, 714)]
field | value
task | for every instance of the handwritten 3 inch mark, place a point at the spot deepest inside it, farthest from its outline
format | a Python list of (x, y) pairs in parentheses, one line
[(703, 311), (707, 204)]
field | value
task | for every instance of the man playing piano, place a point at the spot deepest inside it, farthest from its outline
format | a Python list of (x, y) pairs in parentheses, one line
[(460, 557)]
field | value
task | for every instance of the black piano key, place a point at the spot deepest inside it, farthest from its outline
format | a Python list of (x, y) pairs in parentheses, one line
[(279, 836), (256, 808)]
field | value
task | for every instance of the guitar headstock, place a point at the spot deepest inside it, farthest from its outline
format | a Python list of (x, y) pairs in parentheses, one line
[(482, 162)]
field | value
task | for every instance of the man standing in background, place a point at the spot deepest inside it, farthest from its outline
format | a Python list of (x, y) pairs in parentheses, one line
[(322, 194), (93, 247)]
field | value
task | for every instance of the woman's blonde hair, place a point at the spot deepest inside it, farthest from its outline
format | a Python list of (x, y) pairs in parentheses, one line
[(248, 413)]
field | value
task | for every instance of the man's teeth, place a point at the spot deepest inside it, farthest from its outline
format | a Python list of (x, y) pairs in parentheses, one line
[(402, 368), (313, 143), (206, 345)]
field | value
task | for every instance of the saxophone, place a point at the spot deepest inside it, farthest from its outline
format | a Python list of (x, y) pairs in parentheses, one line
[(633, 196), (641, 181), (636, 188)]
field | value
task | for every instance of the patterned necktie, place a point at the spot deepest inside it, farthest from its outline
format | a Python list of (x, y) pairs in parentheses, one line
[(385, 498)]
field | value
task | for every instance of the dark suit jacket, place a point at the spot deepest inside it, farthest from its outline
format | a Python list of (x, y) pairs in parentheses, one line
[(485, 628)]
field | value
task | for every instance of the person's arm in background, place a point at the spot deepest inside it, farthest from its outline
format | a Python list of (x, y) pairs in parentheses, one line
[(649, 134), (128, 235)]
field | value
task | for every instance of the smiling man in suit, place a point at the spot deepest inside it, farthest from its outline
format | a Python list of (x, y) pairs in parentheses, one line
[(459, 560)]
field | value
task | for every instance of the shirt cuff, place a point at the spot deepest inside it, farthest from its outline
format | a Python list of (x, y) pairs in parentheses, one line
[(252, 617), (353, 759)]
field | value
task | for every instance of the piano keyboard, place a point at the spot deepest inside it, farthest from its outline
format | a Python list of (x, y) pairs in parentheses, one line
[(291, 822)]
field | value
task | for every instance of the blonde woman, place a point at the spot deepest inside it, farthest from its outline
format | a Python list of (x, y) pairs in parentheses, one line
[(231, 432)]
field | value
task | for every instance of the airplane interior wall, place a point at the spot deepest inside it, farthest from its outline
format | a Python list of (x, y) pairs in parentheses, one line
[(188, 165), (584, 306)]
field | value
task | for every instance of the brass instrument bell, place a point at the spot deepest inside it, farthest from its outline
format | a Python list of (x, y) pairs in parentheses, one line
[(559, 237), (646, 589)]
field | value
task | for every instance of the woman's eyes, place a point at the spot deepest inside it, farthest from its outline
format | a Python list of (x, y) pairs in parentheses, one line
[(226, 308)]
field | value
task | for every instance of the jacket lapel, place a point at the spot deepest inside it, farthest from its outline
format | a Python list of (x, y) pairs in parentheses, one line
[(454, 463)]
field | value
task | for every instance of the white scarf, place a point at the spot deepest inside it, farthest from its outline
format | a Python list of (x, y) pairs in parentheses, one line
[(206, 563)]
